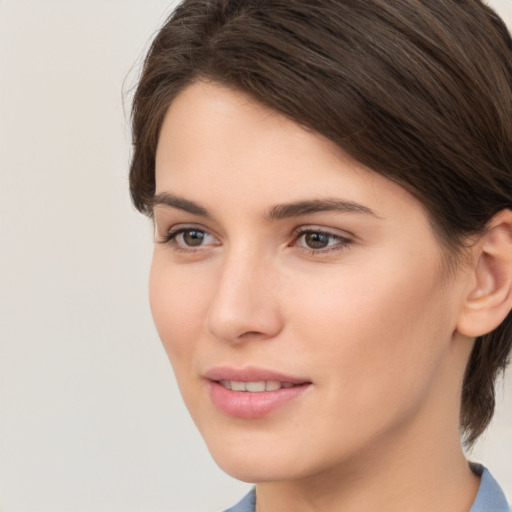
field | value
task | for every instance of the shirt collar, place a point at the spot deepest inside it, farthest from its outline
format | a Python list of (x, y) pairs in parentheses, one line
[(490, 497)]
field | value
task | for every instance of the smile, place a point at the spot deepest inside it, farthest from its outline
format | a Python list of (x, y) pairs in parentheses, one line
[(252, 393), (256, 386)]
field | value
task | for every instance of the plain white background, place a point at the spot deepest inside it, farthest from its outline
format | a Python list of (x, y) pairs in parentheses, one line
[(90, 417)]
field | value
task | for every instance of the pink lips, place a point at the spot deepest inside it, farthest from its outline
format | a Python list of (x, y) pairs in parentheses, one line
[(249, 404)]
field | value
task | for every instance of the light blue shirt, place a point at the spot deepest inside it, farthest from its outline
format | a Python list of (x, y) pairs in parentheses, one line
[(490, 497)]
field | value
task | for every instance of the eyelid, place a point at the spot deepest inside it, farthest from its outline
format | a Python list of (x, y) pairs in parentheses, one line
[(169, 238), (315, 228), (344, 239)]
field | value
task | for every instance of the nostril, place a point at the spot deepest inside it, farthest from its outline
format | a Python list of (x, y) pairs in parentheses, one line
[(249, 334)]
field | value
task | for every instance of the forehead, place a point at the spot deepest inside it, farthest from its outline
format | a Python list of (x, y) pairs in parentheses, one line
[(209, 128), (217, 139), (225, 123)]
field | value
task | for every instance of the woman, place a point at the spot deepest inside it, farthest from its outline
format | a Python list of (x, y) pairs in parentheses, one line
[(331, 187)]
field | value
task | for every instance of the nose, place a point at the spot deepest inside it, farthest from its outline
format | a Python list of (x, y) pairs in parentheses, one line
[(245, 305)]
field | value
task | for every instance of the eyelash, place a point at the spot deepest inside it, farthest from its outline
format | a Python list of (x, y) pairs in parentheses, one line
[(342, 242), (170, 239)]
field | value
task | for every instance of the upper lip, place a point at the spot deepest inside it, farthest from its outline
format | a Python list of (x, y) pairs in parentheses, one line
[(251, 374)]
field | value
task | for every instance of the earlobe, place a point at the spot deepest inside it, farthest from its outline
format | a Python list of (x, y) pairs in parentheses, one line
[(490, 298)]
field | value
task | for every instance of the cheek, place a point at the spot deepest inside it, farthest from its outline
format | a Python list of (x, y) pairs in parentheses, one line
[(377, 332), (178, 305)]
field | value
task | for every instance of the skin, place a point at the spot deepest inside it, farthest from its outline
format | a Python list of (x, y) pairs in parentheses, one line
[(370, 320)]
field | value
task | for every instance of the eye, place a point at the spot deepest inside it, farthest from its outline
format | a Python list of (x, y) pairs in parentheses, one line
[(318, 241), (188, 239), (191, 237)]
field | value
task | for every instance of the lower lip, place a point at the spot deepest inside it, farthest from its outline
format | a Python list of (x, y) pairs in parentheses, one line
[(247, 405)]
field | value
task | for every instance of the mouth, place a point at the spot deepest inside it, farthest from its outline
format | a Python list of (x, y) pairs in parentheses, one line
[(253, 393), (256, 386)]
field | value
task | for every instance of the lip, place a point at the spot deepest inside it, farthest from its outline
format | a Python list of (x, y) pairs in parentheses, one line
[(251, 374), (249, 405)]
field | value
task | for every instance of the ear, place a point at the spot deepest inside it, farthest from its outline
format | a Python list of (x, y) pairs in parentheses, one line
[(489, 297)]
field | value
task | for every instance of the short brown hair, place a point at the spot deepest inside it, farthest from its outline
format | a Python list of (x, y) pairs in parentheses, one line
[(418, 90)]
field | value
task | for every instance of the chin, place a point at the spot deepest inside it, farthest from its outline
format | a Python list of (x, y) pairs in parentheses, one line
[(241, 461), (257, 469), (253, 458), (270, 458)]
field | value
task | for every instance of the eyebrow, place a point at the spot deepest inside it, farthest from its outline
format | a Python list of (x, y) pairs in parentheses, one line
[(284, 211), (180, 203), (277, 212)]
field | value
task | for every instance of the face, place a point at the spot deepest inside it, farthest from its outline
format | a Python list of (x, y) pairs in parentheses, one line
[(301, 297)]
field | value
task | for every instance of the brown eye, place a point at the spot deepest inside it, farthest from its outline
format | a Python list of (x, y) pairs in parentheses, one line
[(320, 242), (193, 237), (189, 239), (316, 240)]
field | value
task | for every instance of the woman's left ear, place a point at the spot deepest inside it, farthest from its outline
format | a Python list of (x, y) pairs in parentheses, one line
[(489, 297)]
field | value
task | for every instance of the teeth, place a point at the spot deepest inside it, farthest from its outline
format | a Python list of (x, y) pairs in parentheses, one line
[(272, 385), (255, 387), (237, 386)]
